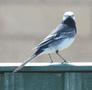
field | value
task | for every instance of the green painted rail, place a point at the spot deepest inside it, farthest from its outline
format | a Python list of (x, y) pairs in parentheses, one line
[(46, 76)]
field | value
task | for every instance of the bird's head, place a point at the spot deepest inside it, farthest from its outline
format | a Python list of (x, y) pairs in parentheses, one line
[(68, 14)]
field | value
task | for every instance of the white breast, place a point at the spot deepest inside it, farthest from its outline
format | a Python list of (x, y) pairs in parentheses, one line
[(66, 43)]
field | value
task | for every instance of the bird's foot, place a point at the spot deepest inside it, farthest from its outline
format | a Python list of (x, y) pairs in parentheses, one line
[(65, 62), (51, 61)]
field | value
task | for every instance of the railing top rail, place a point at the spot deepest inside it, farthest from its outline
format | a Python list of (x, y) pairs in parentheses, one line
[(48, 67)]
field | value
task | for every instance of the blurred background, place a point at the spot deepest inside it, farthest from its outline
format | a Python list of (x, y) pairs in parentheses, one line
[(24, 24)]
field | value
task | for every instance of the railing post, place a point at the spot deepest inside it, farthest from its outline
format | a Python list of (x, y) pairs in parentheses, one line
[(8, 81), (72, 81)]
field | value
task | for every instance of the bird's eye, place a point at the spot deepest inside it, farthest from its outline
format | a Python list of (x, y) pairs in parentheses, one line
[(72, 15)]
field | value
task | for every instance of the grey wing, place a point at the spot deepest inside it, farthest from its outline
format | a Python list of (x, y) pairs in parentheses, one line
[(66, 34), (50, 37), (62, 31)]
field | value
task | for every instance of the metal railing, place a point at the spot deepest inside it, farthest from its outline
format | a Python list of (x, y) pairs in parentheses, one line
[(46, 76)]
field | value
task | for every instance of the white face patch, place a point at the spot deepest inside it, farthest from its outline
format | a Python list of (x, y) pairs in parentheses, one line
[(67, 14)]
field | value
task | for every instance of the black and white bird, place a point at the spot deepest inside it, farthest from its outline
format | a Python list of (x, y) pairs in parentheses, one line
[(60, 38)]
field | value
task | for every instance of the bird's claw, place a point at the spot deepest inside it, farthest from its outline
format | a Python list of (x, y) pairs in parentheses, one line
[(65, 62), (51, 61)]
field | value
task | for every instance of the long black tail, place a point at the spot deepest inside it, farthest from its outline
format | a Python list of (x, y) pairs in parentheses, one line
[(25, 62), (37, 53)]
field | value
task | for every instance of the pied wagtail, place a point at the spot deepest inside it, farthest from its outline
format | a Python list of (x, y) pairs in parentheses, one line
[(60, 38)]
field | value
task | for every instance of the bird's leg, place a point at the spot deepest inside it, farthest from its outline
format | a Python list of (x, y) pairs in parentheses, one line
[(64, 60), (50, 58)]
